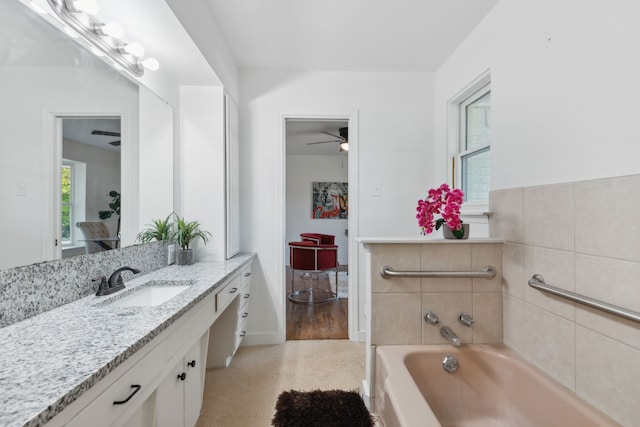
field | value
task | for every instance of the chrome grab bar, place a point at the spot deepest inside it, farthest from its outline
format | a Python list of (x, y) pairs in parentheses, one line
[(537, 282), (488, 272)]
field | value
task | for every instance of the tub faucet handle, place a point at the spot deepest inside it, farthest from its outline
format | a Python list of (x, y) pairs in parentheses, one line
[(466, 319), (432, 318)]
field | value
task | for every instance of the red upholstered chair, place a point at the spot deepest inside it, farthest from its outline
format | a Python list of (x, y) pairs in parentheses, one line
[(312, 258), (318, 238)]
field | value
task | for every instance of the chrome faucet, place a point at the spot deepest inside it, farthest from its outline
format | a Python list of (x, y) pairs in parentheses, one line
[(466, 319), (115, 282), (451, 336)]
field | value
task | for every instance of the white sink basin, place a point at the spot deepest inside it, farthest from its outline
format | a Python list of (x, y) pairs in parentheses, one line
[(151, 294)]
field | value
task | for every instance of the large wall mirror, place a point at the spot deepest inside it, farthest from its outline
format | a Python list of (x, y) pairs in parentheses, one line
[(54, 94)]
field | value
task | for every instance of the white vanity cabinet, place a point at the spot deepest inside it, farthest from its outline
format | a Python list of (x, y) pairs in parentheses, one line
[(229, 329), (162, 383)]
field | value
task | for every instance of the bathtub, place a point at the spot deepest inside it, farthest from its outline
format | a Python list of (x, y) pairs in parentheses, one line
[(492, 387)]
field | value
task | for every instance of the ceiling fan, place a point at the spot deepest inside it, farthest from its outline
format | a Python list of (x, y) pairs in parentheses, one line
[(107, 133), (343, 139)]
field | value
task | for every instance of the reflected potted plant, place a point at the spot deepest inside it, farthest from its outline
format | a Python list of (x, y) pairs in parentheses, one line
[(114, 208), (184, 233), (159, 230)]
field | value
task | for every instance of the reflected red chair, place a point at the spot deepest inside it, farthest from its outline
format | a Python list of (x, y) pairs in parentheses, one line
[(310, 257), (318, 238)]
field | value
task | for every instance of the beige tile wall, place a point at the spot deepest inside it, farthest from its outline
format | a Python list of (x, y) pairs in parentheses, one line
[(584, 237), (399, 304)]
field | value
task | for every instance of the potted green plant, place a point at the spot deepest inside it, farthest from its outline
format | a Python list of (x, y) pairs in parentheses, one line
[(159, 230), (184, 233), (114, 208)]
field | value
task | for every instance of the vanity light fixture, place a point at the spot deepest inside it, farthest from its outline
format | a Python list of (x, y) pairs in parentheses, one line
[(110, 29), (90, 7), (102, 37), (134, 49)]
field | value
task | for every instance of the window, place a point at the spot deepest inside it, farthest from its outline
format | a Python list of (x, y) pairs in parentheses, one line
[(67, 204), (474, 145), (73, 199)]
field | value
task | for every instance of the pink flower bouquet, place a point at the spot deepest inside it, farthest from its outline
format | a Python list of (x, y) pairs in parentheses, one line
[(445, 202)]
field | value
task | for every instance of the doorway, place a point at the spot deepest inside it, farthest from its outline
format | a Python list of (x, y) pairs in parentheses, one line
[(90, 184), (316, 202)]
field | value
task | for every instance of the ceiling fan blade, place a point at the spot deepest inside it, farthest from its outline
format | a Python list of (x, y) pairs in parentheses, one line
[(105, 133), (115, 143), (322, 142), (334, 135)]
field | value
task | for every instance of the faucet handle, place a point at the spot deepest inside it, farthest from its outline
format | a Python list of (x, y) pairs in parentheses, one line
[(432, 318), (466, 319), (102, 286)]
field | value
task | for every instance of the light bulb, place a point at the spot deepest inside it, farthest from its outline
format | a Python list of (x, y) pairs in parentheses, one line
[(134, 49), (90, 7), (110, 29), (151, 64), (344, 146)]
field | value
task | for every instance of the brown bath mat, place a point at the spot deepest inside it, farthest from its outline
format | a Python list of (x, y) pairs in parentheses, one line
[(333, 408)]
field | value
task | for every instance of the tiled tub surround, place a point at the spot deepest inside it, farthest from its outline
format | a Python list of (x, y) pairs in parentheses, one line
[(583, 237), (49, 360), (33, 289), (398, 305)]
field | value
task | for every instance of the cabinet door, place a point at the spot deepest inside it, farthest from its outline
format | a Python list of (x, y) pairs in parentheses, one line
[(169, 399), (195, 368)]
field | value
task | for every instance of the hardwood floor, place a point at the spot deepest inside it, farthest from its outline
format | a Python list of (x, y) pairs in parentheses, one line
[(326, 320)]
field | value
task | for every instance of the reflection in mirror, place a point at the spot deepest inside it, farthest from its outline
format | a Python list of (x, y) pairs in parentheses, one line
[(46, 76), (90, 185)]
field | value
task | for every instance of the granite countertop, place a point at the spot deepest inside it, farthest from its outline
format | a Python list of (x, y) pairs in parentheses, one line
[(49, 360)]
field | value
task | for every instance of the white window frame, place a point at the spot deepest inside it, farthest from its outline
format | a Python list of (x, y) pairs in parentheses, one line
[(78, 200), (456, 138)]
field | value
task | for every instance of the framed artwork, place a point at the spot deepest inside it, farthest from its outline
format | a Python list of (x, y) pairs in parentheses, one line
[(330, 200)]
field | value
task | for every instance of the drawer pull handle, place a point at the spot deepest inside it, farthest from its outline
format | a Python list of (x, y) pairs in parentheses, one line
[(192, 364), (243, 333), (122, 402), (247, 274), (233, 291), (247, 296), (182, 376), (245, 315)]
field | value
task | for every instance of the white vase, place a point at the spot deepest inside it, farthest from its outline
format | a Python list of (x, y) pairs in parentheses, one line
[(448, 234)]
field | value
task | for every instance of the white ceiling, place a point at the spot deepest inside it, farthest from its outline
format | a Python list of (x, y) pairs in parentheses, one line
[(347, 35), (79, 130)]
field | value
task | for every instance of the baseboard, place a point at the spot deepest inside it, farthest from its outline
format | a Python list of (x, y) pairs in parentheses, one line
[(268, 338)]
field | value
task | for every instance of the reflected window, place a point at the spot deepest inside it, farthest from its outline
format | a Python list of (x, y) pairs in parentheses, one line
[(73, 184)]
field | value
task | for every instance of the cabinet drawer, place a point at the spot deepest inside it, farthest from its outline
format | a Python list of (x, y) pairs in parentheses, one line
[(240, 332), (226, 294), (245, 296), (125, 395)]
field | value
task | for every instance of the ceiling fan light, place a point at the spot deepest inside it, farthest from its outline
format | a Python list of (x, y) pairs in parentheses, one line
[(344, 146)]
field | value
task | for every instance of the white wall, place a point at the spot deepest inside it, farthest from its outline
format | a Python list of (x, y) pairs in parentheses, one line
[(302, 171), (565, 86), (395, 146), (202, 166)]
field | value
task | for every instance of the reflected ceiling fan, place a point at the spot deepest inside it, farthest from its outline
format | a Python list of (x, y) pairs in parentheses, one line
[(342, 139), (107, 133)]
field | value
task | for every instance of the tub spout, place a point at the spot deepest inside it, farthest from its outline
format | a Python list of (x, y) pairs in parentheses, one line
[(451, 336)]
